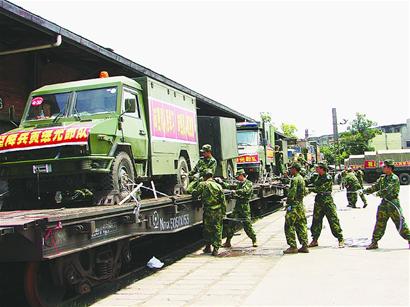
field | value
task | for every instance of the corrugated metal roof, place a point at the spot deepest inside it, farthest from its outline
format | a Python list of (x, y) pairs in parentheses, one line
[(21, 15)]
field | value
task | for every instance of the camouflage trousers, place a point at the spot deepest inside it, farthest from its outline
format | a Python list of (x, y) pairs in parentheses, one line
[(391, 210), (212, 227), (241, 212), (295, 222), (324, 206), (352, 198)]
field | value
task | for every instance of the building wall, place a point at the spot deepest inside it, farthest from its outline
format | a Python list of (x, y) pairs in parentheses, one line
[(405, 135), (387, 141)]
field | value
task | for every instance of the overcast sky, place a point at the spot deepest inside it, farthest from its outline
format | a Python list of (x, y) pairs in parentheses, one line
[(294, 59)]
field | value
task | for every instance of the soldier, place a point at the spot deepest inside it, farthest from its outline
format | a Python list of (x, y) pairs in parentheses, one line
[(242, 211), (206, 162), (213, 200), (360, 176), (280, 167), (388, 188), (324, 206), (295, 219), (352, 186)]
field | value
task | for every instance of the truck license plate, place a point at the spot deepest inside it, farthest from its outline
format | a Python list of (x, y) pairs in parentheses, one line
[(42, 169)]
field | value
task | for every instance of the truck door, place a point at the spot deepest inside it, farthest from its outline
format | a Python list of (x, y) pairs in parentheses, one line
[(134, 126)]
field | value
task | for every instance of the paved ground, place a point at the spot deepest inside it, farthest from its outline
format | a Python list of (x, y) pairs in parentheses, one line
[(264, 276)]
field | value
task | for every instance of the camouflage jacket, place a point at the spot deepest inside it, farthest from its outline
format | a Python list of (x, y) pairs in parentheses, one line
[(296, 191), (351, 182), (322, 185), (244, 191), (211, 194), (202, 165), (360, 176), (387, 187)]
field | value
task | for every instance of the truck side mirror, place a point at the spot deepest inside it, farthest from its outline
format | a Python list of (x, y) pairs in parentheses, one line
[(130, 105)]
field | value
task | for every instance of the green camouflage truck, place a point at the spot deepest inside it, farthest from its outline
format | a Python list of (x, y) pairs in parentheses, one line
[(256, 143), (93, 138), (373, 163)]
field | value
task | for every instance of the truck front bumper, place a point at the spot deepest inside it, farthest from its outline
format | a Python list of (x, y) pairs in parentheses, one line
[(56, 167)]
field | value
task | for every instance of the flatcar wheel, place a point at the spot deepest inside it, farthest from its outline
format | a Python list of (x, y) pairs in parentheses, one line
[(39, 288)]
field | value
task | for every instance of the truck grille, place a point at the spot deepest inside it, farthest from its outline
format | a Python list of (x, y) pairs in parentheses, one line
[(44, 153)]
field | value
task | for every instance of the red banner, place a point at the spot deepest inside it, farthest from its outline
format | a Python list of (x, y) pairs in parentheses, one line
[(369, 164), (48, 137), (253, 158)]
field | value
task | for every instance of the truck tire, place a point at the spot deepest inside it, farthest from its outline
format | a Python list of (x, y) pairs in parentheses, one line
[(404, 179), (182, 175), (122, 173)]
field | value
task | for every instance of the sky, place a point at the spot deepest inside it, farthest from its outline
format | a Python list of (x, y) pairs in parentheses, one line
[(294, 59)]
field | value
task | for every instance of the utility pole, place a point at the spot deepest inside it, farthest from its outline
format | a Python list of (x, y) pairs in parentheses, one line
[(336, 136)]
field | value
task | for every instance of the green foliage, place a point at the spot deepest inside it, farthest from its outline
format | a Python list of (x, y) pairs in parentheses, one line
[(356, 140), (266, 117), (331, 156), (289, 130)]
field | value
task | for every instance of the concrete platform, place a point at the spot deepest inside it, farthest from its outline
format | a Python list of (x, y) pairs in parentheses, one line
[(263, 276)]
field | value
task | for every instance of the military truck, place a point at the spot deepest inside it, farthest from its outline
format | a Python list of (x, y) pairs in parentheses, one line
[(373, 163), (93, 139), (256, 149), (354, 161)]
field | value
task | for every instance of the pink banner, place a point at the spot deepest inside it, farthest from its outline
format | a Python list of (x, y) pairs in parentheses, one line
[(173, 123)]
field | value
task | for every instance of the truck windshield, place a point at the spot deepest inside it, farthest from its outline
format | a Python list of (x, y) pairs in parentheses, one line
[(102, 100), (247, 138), (47, 106)]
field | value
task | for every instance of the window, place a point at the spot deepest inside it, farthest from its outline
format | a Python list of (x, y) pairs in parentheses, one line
[(47, 106), (247, 138), (134, 97), (408, 144), (95, 101)]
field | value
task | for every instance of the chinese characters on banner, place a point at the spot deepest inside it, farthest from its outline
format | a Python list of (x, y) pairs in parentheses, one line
[(20, 140), (170, 122), (247, 159)]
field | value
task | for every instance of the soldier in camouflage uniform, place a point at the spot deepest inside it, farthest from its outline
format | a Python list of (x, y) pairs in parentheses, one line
[(213, 200), (352, 186), (243, 192), (388, 188), (360, 176), (324, 206), (206, 162), (280, 166), (295, 219)]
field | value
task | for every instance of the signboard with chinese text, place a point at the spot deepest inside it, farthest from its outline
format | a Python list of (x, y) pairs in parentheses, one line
[(252, 158), (47, 137), (172, 123)]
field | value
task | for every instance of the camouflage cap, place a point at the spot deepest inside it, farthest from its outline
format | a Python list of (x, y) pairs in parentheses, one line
[(240, 172), (322, 165), (206, 148), (389, 162), (296, 166)]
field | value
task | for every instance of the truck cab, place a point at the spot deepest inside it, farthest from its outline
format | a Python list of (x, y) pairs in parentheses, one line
[(256, 149)]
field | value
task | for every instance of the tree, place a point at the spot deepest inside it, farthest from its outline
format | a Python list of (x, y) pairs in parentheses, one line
[(266, 117), (331, 154), (289, 130), (356, 140)]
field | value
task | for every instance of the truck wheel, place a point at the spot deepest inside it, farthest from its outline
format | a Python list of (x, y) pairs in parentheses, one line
[(121, 175), (182, 175), (404, 179)]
